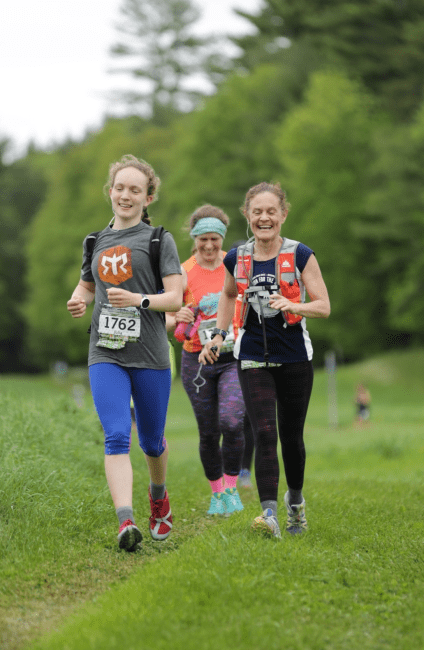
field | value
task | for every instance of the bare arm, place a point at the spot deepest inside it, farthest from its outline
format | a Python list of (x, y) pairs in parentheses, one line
[(319, 306), (184, 314), (170, 300), (82, 296), (226, 308), (227, 301)]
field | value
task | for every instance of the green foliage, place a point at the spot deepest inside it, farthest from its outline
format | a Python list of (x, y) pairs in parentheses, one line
[(395, 224), (380, 43), (325, 148), (22, 189), (228, 146), (290, 114)]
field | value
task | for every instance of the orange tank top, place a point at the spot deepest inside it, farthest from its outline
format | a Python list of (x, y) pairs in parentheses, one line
[(203, 290)]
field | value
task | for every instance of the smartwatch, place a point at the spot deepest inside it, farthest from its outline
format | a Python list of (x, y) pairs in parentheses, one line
[(216, 331), (145, 302)]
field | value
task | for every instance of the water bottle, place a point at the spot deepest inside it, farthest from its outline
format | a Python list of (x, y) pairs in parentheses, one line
[(186, 331)]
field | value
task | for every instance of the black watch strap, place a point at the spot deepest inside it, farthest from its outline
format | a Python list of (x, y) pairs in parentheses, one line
[(216, 331)]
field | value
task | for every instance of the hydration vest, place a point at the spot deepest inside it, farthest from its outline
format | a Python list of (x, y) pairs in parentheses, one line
[(287, 282)]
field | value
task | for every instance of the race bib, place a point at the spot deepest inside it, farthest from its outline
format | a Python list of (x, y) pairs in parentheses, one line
[(205, 334), (117, 326)]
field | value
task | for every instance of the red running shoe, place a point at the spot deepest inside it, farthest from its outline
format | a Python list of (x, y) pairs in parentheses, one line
[(161, 517), (129, 536)]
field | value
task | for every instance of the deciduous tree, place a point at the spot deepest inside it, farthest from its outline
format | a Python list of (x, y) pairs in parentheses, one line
[(325, 149), (381, 43), (22, 190), (395, 224)]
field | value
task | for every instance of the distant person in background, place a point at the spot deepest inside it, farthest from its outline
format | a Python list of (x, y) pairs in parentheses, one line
[(215, 394), (273, 347), (128, 351), (362, 402)]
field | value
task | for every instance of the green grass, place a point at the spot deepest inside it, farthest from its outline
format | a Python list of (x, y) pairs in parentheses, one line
[(354, 581)]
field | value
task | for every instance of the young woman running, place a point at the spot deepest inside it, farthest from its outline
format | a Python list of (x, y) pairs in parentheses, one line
[(128, 351), (273, 347), (215, 394)]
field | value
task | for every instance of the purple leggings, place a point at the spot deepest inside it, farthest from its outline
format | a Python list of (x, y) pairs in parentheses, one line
[(281, 393), (219, 410)]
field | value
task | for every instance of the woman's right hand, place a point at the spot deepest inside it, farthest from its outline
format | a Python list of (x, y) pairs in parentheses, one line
[(210, 352), (185, 315), (76, 306)]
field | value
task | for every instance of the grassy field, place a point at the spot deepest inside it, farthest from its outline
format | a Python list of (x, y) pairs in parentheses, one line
[(354, 581)]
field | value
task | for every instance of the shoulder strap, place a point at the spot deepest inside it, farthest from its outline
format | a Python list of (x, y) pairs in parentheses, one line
[(90, 242), (291, 245), (154, 254), (244, 250)]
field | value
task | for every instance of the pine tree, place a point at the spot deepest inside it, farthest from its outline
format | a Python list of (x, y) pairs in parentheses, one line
[(165, 57)]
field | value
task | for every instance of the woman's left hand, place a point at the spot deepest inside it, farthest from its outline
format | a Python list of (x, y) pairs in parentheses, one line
[(122, 298), (276, 301)]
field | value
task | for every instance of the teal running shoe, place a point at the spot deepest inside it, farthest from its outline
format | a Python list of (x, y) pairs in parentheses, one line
[(232, 500), (267, 523), (217, 506), (296, 519)]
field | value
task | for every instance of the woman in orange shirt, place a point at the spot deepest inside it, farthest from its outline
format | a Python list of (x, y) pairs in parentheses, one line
[(215, 394)]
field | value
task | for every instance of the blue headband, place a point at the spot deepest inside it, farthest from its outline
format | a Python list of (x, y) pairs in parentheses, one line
[(209, 224)]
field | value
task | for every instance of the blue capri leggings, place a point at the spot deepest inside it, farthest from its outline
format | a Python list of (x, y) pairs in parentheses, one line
[(112, 387)]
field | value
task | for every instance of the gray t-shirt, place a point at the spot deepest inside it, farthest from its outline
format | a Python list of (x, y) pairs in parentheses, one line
[(121, 259)]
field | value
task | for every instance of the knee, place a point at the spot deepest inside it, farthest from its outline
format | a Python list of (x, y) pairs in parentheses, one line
[(117, 444), (153, 449), (232, 421), (265, 436)]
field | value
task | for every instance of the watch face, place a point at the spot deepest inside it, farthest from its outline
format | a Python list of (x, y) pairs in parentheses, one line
[(216, 331), (145, 302)]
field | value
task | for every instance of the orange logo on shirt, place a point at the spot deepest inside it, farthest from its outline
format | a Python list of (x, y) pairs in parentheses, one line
[(114, 265), (286, 261)]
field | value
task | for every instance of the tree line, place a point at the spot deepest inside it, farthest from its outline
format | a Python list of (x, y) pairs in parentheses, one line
[(325, 98)]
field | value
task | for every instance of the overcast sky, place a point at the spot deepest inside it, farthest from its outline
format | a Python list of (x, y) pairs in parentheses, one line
[(54, 61)]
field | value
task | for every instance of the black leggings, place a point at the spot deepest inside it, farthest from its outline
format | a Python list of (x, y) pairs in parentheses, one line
[(249, 444), (282, 392)]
